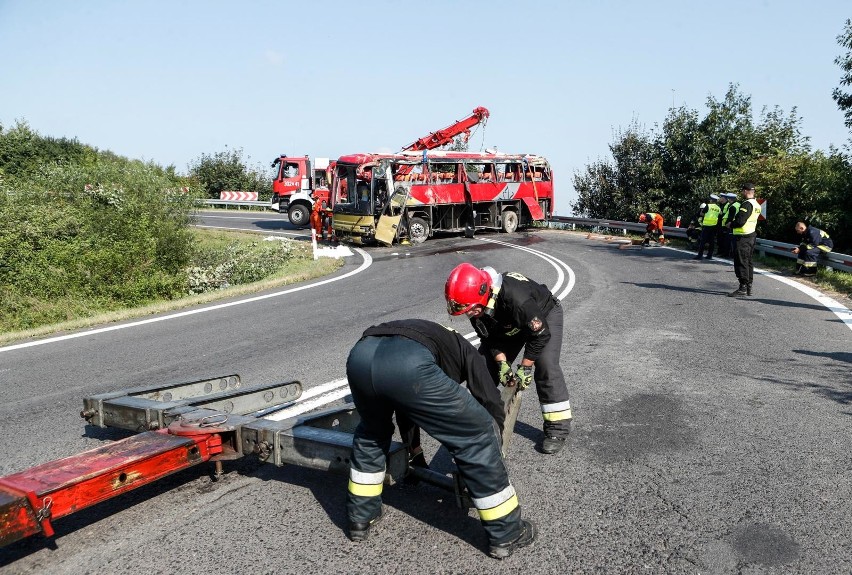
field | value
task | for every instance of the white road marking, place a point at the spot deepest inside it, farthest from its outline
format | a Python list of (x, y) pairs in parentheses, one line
[(834, 306), (334, 390), (364, 265), (271, 232)]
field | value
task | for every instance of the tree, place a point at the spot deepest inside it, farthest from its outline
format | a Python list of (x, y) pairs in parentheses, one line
[(843, 98), (228, 171), (597, 191)]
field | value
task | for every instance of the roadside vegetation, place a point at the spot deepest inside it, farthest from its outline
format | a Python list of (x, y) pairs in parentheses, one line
[(86, 233), (674, 166)]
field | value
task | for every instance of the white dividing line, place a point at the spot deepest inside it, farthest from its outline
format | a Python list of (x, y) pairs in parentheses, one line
[(339, 388), (316, 397), (834, 306), (555, 262), (272, 232), (364, 265)]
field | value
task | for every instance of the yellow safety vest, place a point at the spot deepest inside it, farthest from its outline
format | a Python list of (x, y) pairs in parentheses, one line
[(727, 210), (751, 223), (711, 216)]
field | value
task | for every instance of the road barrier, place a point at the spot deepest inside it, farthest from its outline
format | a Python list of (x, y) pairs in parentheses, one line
[(841, 262), (237, 203)]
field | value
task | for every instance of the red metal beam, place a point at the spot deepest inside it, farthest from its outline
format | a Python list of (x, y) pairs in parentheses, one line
[(31, 499)]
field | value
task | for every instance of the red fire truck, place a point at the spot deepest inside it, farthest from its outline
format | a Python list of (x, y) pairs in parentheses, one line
[(298, 184)]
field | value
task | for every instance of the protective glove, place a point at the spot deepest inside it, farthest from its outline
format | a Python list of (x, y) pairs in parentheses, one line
[(524, 376), (507, 377)]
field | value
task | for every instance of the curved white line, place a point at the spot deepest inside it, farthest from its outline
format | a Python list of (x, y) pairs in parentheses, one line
[(325, 393), (364, 265), (552, 260), (834, 306)]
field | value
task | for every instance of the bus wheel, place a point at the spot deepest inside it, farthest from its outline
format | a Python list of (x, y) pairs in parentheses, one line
[(418, 230), (510, 221)]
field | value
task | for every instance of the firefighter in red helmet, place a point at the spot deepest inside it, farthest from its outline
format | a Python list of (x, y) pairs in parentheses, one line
[(510, 312)]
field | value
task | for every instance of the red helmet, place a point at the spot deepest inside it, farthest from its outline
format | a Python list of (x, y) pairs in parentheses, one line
[(466, 287), (643, 217)]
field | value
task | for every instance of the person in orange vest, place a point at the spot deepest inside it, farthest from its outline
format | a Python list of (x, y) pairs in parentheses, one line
[(654, 229)]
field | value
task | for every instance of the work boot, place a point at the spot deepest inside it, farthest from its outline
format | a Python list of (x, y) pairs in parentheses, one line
[(552, 445), (360, 531), (748, 289), (698, 257), (739, 291), (527, 536)]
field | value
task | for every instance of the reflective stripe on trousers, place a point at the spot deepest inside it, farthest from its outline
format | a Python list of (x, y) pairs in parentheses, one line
[(395, 373)]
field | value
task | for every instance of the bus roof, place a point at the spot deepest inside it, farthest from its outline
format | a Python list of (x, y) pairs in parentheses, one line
[(417, 157)]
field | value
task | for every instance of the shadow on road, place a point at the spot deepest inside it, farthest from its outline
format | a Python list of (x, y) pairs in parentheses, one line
[(677, 288)]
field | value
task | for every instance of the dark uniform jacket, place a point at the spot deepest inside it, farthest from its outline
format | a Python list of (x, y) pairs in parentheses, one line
[(454, 355), (519, 311)]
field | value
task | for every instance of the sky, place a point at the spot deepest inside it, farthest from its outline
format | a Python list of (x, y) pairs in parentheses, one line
[(168, 81)]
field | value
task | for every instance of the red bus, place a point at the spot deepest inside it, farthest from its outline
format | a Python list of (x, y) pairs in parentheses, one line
[(410, 195)]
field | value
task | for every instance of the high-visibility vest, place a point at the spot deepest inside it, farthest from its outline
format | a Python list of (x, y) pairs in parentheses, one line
[(729, 211), (711, 216), (751, 223)]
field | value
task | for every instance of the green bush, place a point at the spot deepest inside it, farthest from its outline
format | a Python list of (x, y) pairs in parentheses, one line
[(90, 227)]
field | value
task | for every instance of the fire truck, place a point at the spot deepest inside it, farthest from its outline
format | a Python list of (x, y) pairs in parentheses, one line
[(298, 184), (419, 190)]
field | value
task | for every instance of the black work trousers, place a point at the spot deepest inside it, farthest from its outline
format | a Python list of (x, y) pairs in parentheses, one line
[(548, 377), (743, 265), (395, 374), (724, 241), (708, 238)]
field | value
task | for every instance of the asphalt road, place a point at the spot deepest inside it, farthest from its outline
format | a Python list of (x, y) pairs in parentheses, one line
[(711, 434)]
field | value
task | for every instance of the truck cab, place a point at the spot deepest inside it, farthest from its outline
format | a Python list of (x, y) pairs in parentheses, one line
[(297, 184)]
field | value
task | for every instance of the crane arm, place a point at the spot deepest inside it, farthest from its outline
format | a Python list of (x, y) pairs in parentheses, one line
[(445, 136)]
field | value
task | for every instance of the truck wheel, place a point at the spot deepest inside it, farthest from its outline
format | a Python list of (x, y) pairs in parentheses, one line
[(299, 215), (418, 230), (510, 221)]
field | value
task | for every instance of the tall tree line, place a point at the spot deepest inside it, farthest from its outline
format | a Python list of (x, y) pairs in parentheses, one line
[(674, 167)]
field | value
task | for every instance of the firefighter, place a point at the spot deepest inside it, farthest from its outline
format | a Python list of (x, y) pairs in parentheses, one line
[(510, 312), (318, 217), (414, 367), (654, 230), (744, 230), (815, 242), (709, 225)]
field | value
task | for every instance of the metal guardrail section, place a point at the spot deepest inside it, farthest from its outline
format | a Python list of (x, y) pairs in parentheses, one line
[(841, 262), (237, 203)]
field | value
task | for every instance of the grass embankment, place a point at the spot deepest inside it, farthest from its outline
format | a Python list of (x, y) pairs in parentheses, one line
[(223, 264)]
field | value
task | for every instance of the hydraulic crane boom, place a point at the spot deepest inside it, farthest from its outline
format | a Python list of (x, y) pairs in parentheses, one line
[(445, 136)]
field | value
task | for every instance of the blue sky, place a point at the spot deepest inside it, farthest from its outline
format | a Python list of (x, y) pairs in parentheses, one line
[(169, 81)]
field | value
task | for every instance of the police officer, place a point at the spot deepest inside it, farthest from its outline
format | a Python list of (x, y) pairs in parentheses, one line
[(709, 226), (729, 210), (414, 367), (815, 242), (510, 312), (744, 230)]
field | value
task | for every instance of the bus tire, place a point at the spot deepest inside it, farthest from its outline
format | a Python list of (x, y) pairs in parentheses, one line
[(418, 230), (299, 214), (509, 221)]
